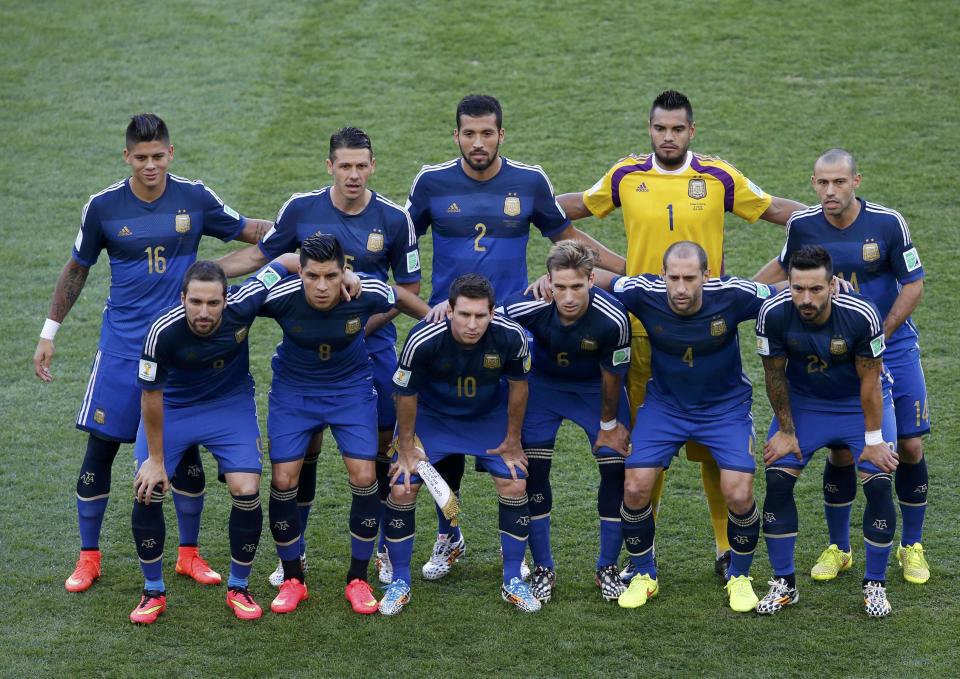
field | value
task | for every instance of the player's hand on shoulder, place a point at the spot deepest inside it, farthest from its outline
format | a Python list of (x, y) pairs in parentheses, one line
[(350, 287), (438, 313), (150, 475), (882, 455), (617, 439), (42, 358), (512, 453), (541, 289), (841, 286), (779, 446)]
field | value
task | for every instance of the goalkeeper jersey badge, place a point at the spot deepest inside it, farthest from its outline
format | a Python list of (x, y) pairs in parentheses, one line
[(375, 242), (511, 206), (182, 222), (697, 188)]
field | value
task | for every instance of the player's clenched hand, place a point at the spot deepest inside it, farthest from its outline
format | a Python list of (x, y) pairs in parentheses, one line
[(350, 286), (541, 289), (779, 446), (616, 439), (882, 455), (150, 475), (438, 313), (406, 464), (512, 453), (42, 358)]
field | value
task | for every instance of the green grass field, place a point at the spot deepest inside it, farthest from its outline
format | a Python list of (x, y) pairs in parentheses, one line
[(251, 93)]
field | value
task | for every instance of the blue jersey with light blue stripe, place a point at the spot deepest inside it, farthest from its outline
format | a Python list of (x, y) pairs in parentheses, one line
[(483, 226)]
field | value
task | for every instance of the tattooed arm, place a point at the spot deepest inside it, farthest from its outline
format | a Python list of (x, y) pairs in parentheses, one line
[(65, 294), (785, 440), (871, 399), (254, 230)]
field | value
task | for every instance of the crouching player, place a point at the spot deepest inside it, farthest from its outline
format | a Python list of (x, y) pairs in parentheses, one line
[(322, 377), (197, 390), (451, 395), (822, 360), (697, 392), (581, 353)]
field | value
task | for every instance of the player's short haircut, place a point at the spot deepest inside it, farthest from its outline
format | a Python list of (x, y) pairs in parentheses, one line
[(146, 127), (350, 138), (837, 155), (571, 254), (811, 257), (207, 272), (471, 286), (321, 247), (479, 105), (671, 100), (686, 248)]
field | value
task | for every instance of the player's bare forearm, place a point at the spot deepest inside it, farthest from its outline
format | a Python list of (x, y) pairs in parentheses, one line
[(904, 305), (516, 408), (151, 405), (573, 205), (406, 419), (67, 290), (611, 388), (780, 210), (606, 258), (254, 230), (408, 302), (771, 273), (289, 261), (871, 395), (243, 261), (775, 378)]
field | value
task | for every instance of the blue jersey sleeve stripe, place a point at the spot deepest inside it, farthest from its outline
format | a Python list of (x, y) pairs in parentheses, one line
[(285, 288), (904, 229), (863, 308), (617, 316), (375, 286), (505, 322), (805, 212), (777, 300), (417, 338), (411, 231), (429, 168), (172, 316), (525, 308), (532, 168)]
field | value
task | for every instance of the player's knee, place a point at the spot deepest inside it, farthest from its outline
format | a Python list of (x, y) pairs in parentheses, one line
[(840, 457), (512, 489), (910, 450), (880, 515), (247, 484), (636, 491), (401, 496), (362, 475), (741, 500), (285, 476)]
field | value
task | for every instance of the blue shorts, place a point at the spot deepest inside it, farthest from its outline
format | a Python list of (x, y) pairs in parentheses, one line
[(443, 436), (818, 426), (111, 403), (548, 406), (660, 430), (351, 416), (909, 392), (226, 427), (384, 365)]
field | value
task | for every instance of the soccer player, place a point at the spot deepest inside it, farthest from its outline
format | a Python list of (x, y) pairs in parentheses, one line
[(697, 392), (872, 249), (452, 399), (197, 390), (150, 225), (323, 377), (669, 195), (823, 367), (377, 237), (479, 208), (581, 351)]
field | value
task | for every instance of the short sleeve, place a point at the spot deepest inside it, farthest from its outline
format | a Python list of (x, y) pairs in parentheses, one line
[(769, 335), (404, 253), (282, 236), (599, 197), (615, 351), (152, 369), (750, 297), (547, 215), (871, 342), (414, 359), (418, 205), (248, 298), (903, 255), (90, 240), (749, 200), (518, 365), (219, 219)]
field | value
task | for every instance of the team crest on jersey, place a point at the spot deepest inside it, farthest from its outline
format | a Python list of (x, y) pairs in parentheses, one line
[(871, 252), (218, 364), (511, 206), (375, 242), (99, 416), (718, 327), (491, 361), (697, 188), (353, 325), (182, 222), (838, 346), (588, 344), (241, 334)]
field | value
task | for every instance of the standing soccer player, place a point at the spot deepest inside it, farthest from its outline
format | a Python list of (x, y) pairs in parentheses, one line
[(823, 366), (581, 352), (197, 390), (150, 225), (698, 392), (461, 390), (377, 237), (871, 248), (323, 377), (479, 208), (669, 195)]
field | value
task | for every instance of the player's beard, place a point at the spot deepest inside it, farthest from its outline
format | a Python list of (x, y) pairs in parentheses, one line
[(480, 166)]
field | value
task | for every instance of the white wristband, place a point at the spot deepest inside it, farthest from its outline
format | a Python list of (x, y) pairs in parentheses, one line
[(873, 438), (49, 330), (609, 425)]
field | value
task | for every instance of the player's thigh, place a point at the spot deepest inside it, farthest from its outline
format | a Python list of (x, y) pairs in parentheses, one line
[(542, 419), (854, 433), (729, 439), (384, 364), (231, 432), (583, 409), (292, 422), (910, 396), (657, 435), (111, 402), (352, 418)]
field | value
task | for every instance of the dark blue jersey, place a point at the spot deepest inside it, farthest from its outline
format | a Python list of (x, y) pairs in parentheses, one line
[(375, 241), (460, 380), (323, 352), (570, 357), (821, 359), (192, 369), (483, 226), (696, 358), (151, 246), (875, 253)]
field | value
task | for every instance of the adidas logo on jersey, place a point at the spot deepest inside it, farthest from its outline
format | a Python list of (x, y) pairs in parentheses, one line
[(125, 231), (642, 188), (453, 208)]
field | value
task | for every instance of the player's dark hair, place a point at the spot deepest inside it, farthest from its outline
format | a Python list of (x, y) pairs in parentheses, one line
[(811, 257), (205, 271), (471, 286), (350, 138), (146, 127), (321, 247), (836, 155), (671, 100), (685, 248), (571, 254), (479, 105)]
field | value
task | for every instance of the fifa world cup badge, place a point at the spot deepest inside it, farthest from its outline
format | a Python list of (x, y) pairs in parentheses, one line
[(182, 222)]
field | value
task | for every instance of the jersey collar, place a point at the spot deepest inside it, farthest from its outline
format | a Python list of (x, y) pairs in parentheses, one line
[(680, 170)]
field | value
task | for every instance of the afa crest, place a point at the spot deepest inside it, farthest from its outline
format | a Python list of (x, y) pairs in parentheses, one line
[(588, 344), (99, 416), (241, 334), (375, 242), (838, 346), (353, 325), (697, 188), (511, 206), (718, 327), (491, 361), (182, 222), (871, 252)]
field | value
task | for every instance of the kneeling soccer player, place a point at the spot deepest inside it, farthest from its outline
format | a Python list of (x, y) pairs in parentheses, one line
[(452, 396)]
